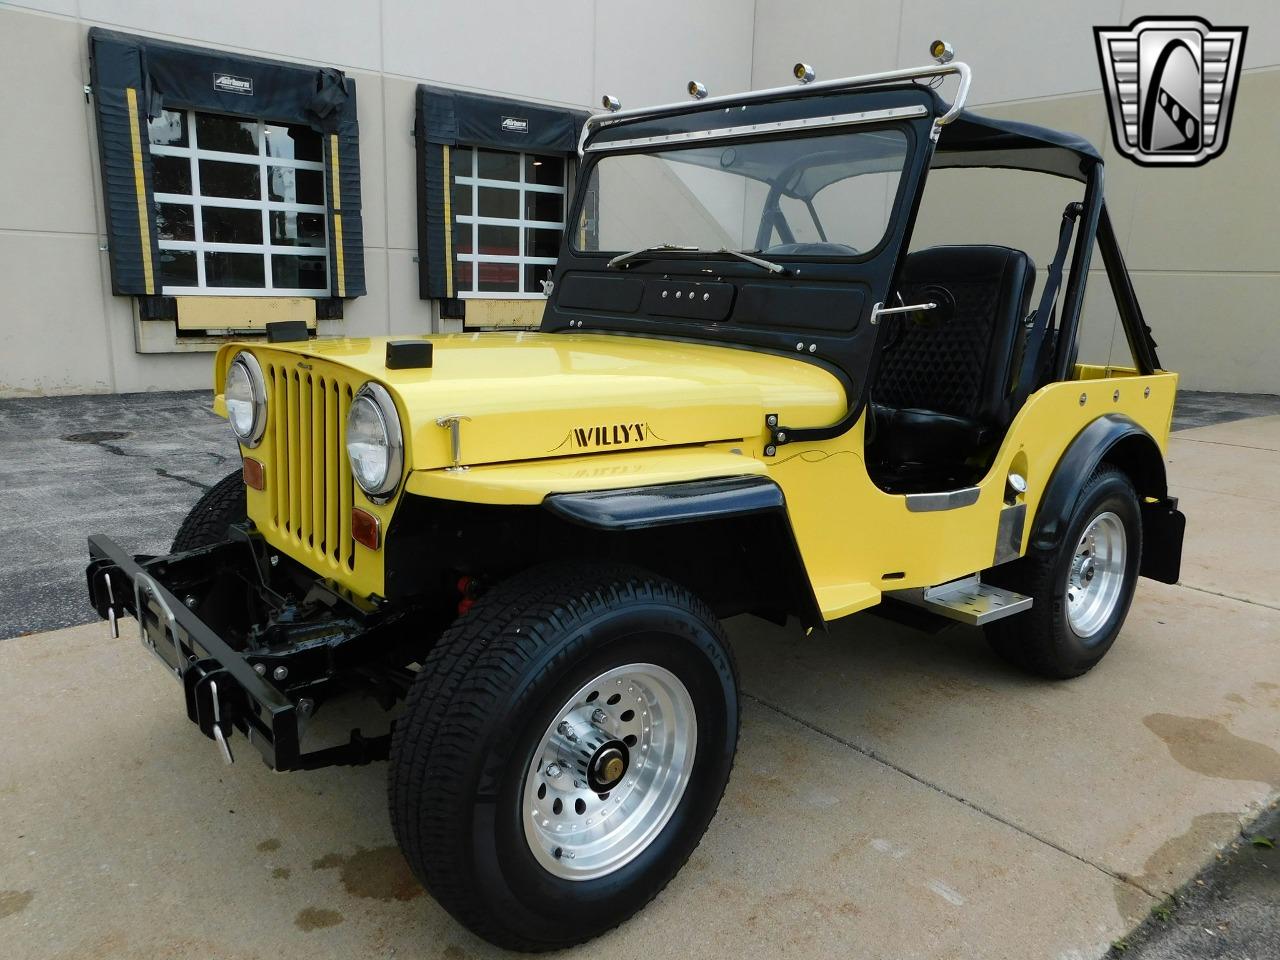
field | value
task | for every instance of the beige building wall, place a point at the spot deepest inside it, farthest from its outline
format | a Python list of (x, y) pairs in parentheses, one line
[(66, 333), (1201, 243)]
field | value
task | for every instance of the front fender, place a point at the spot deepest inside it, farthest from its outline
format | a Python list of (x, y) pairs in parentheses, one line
[(692, 510)]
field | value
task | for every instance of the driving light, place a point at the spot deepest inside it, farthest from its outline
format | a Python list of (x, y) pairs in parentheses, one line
[(375, 444), (610, 103), (941, 51), (245, 394), (696, 90), (803, 72)]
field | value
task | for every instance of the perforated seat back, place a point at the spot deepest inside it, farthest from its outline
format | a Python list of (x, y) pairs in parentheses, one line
[(962, 366)]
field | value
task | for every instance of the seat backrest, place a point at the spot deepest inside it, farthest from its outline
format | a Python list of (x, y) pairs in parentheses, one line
[(962, 366)]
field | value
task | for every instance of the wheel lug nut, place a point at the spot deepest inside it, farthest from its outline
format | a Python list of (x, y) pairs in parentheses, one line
[(554, 771), (599, 716), (566, 730)]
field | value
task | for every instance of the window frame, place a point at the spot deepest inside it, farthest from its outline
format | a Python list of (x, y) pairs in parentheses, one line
[(262, 161), (473, 181)]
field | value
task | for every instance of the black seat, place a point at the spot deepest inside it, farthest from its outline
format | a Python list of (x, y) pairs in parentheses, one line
[(942, 393)]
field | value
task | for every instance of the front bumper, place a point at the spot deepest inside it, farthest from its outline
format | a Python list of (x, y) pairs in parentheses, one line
[(222, 686)]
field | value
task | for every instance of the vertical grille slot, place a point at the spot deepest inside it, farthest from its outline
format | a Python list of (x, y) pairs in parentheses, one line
[(310, 483), (346, 548)]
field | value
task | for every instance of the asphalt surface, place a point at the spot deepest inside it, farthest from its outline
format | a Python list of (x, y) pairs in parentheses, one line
[(132, 465), (1228, 912)]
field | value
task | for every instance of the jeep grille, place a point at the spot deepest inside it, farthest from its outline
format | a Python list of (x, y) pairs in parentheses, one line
[(309, 476)]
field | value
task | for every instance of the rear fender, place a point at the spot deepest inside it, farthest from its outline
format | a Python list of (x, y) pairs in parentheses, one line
[(1118, 440)]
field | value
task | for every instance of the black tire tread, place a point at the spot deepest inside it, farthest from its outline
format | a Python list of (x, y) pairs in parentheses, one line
[(452, 699), (221, 505), (1033, 575)]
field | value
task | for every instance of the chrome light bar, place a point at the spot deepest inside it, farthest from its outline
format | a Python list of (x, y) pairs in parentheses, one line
[(955, 67)]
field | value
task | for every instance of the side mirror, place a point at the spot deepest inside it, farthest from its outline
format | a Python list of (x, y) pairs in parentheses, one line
[(940, 315), (936, 306)]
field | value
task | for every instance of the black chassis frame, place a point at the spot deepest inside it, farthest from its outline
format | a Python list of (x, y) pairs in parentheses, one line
[(259, 641), (305, 649)]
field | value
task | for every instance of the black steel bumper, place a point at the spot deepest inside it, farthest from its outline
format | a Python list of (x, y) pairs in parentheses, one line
[(223, 690)]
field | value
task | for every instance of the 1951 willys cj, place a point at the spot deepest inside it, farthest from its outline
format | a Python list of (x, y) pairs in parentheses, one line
[(746, 396)]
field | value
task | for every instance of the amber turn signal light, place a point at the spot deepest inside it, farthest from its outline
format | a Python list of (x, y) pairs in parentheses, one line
[(254, 475), (364, 528)]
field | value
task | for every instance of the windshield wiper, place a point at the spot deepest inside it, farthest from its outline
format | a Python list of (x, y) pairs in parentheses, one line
[(766, 264), (645, 253), (642, 253)]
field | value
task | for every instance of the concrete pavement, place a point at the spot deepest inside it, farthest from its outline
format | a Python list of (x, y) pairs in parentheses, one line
[(896, 794)]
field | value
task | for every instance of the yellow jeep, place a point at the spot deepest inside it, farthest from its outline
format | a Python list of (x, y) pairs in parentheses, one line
[(746, 396)]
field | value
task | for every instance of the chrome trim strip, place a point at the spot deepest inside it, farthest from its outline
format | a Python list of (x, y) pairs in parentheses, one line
[(945, 500), (927, 71), (752, 129)]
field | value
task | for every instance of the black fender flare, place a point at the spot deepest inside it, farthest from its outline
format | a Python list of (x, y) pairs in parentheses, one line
[(697, 501), (1117, 439)]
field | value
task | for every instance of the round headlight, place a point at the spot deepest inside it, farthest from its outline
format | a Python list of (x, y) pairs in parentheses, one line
[(374, 443), (245, 394)]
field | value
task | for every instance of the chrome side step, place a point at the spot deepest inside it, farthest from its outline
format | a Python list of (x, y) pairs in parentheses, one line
[(967, 600)]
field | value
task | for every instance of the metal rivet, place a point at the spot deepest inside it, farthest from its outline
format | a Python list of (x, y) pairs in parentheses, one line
[(664, 294), (706, 296), (771, 420), (279, 673), (260, 669), (813, 348), (782, 436), (678, 294), (1146, 393), (770, 450), (800, 347), (1083, 398)]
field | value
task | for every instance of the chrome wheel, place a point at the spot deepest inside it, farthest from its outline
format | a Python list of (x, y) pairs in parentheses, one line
[(609, 771), (1095, 581)]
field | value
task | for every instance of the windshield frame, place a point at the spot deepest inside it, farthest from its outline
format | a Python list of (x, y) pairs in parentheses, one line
[(593, 158)]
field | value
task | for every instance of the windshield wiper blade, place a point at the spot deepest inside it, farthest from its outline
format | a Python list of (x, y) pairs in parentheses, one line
[(642, 253), (765, 264)]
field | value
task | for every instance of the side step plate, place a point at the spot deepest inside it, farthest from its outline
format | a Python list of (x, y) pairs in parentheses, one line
[(968, 600)]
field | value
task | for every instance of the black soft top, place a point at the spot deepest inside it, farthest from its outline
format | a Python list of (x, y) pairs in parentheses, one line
[(972, 140)]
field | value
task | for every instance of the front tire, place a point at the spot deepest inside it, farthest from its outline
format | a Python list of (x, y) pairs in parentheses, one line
[(563, 750), (222, 505), (1081, 592)]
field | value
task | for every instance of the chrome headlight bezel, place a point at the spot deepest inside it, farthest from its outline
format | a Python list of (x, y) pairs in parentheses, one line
[(258, 388), (376, 395)]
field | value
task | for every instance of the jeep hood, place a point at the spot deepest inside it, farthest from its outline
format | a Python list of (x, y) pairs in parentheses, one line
[(528, 396)]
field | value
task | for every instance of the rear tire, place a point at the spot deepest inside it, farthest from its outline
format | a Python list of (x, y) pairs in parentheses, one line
[(222, 505), (1081, 592), (477, 755)]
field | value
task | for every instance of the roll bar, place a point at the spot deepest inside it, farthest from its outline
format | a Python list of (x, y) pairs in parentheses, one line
[(840, 85)]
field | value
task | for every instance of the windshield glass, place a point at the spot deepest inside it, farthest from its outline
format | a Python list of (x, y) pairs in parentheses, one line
[(816, 195)]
